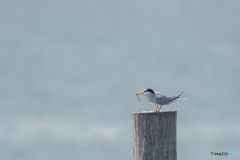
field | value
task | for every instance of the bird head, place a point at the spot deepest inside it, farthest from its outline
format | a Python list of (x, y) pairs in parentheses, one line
[(145, 91)]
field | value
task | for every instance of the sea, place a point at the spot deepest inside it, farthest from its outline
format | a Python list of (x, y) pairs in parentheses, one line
[(70, 71)]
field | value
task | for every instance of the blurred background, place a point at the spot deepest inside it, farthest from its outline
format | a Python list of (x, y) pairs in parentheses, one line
[(69, 72)]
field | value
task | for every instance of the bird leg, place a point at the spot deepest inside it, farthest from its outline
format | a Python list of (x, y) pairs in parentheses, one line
[(160, 108), (156, 109)]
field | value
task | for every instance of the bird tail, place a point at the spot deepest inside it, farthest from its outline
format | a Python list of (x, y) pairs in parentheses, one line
[(182, 98), (177, 98)]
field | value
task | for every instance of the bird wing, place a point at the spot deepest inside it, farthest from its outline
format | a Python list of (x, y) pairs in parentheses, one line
[(159, 95), (164, 100), (161, 99), (173, 98)]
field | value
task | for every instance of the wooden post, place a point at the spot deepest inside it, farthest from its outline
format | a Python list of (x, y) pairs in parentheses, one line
[(154, 135)]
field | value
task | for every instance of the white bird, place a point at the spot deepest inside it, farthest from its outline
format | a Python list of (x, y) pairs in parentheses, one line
[(157, 98)]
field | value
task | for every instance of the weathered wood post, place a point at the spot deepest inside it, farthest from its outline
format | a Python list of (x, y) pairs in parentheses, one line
[(154, 135)]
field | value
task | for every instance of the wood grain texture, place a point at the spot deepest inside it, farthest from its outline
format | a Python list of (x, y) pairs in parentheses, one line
[(154, 135)]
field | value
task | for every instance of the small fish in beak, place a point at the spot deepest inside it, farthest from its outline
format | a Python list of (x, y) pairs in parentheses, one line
[(139, 93)]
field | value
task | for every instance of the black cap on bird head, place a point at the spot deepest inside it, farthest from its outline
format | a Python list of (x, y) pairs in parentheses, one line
[(149, 90)]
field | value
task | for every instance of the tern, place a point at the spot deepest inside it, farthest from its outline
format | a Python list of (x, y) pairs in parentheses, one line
[(157, 98)]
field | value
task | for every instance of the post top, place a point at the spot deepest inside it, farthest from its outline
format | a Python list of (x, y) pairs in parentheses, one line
[(152, 112)]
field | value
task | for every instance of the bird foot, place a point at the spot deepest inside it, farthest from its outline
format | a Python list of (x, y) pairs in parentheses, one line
[(159, 109)]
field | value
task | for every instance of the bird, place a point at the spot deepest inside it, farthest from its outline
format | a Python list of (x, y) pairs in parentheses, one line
[(157, 98)]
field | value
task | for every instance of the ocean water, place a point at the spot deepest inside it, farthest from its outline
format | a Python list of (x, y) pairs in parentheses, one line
[(69, 72)]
